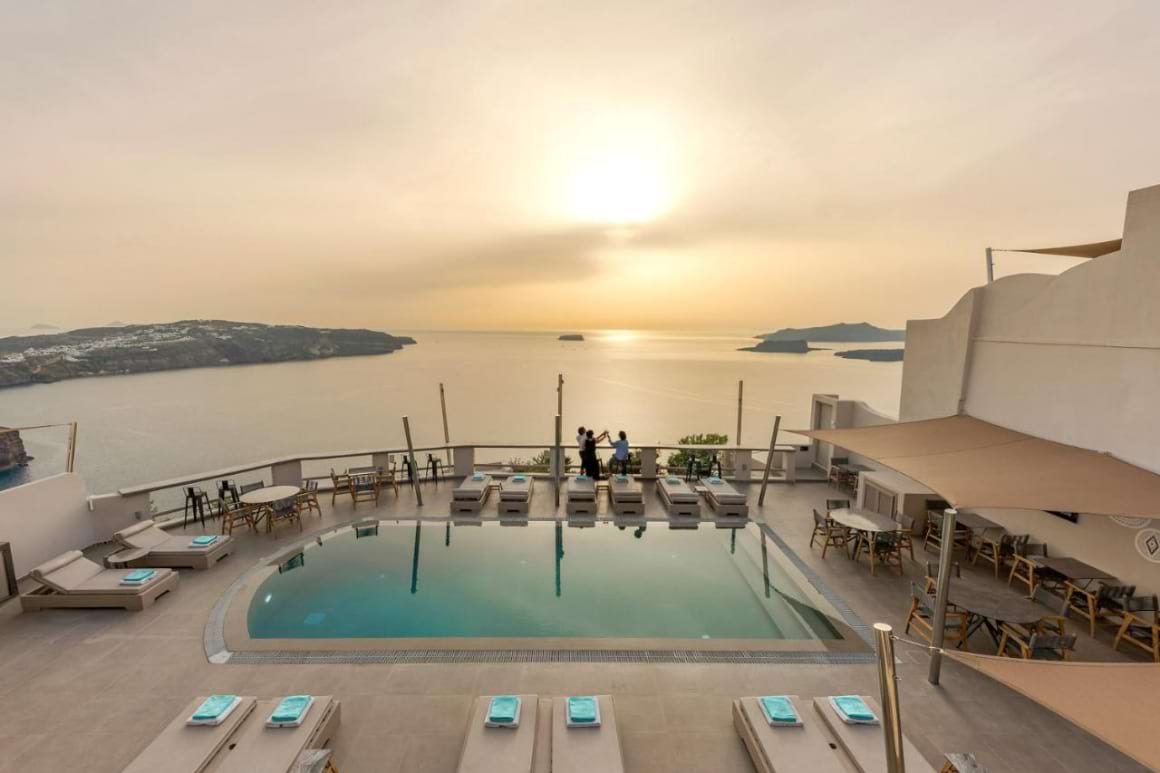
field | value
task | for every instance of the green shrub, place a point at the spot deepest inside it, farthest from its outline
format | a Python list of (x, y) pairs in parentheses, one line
[(680, 460)]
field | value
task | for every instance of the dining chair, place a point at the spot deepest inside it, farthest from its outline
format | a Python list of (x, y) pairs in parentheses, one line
[(832, 535), (340, 484), (308, 497), (1023, 566), (996, 552), (932, 540), (196, 504), (234, 515), (921, 618), (1038, 646), (1137, 629), (905, 534), (365, 487), (283, 511)]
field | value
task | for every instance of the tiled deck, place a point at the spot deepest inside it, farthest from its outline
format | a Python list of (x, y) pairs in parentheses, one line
[(88, 689)]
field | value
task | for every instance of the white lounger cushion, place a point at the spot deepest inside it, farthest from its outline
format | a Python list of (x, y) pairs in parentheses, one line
[(471, 489), (581, 490), (494, 749), (865, 743), (73, 573), (147, 535), (723, 492), (678, 491), (625, 490), (516, 490), (802, 748), (586, 749)]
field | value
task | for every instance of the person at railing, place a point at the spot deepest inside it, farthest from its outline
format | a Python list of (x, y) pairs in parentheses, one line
[(619, 452), (588, 460)]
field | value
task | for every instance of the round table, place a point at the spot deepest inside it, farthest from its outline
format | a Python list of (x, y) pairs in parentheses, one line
[(988, 606), (269, 495), (867, 524)]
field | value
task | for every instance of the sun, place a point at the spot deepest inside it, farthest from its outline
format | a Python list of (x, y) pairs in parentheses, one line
[(619, 187)]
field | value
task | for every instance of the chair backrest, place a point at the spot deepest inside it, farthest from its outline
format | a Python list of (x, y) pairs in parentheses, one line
[(1142, 604), (819, 519), (1057, 604), (837, 504), (932, 569), (905, 521), (364, 480), (310, 485), (1019, 544), (1050, 645), (921, 598), (246, 488), (1114, 595)]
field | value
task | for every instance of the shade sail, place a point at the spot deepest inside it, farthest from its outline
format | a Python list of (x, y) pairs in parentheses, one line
[(973, 463), (1093, 250), (1115, 702)]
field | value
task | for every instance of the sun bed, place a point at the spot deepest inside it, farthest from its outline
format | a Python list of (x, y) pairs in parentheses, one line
[(865, 745), (522, 749), (469, 496), (678, 498), (725, 500), (256, 748), (784, 749), (581, 496), (147, 544), (515, 495), (625, 495), (184, 748), (586, 749), (71, 580)]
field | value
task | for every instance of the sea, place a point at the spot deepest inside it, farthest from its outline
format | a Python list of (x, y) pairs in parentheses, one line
[(500, 388)]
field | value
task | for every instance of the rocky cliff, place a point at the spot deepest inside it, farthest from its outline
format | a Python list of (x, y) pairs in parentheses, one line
[(102, 351), (12, 453), (796, 346), (842, 332)]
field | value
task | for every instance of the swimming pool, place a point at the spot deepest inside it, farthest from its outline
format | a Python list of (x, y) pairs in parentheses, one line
[(425, 581)]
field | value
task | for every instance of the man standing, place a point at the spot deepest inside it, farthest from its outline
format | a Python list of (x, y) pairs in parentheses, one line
[(620, 452), (582, 445)]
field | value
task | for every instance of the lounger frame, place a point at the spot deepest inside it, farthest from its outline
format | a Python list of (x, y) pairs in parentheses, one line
[(471, 506), (805, 748), (726, 509), (44, 597), (515, 506), (679, 509), (202, 559)]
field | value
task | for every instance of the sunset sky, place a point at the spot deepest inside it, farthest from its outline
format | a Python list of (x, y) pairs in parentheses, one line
[(557, 165)]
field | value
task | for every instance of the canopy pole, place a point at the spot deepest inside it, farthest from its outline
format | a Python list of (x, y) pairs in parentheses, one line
[(940, 603), (769, 460), (559, 456), (559, 394), (990, 267), (446, 433), (411, 456), (888, 686), (70, 463), (740, 393)]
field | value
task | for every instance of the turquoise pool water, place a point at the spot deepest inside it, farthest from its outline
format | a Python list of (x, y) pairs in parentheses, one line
[(543, 580)]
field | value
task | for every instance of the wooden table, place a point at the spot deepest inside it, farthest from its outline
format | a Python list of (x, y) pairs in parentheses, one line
[(976, 522), (866, 524), (264, 498), (1077, 576), (1071, 569), (987, 606)]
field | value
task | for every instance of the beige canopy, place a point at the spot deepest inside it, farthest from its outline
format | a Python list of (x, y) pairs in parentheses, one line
[(972, 463), (1113, 701), (1094, 250)]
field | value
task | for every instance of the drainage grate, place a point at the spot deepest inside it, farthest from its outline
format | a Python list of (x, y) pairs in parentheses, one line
[(289, 657)]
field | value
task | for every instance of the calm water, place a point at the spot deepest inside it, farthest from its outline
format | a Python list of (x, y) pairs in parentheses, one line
[(537, 581), (500, 387)]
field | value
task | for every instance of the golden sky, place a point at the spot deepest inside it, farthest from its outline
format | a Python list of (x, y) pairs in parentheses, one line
[(557, 165)]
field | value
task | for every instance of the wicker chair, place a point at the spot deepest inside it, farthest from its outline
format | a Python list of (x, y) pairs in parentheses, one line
[(1137, 629), (906, 534), (235, 514), (831, 534), (932, 540), (995, 552), (365, 487), (921, 618), (1039, 646), (308, 498), (283, 511), (340, 484), (1023, 568)]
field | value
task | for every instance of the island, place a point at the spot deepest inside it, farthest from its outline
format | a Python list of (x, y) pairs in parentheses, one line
[(12, 453), (845, 332), (795, 346), (103, 351), (873, 355), (571, 337), (43, 326)]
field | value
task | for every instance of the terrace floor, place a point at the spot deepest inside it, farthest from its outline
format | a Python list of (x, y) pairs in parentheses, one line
[(88, 689)]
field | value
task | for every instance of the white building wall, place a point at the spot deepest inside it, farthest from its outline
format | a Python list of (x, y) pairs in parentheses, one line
[(45, 518)]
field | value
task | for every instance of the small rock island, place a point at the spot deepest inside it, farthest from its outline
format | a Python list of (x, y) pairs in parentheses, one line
[(104, 351), (873, 355), (792, 346), (571, 337)]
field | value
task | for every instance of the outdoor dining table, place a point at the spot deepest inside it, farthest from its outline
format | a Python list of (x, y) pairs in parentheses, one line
[(976, 523), (263, 498), (1071, 569), (988, 606), (866, 524)]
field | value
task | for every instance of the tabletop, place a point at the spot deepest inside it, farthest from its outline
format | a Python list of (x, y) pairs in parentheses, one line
[(847, 467), (269, 495), (863, 520), (976, 522), (1071, 568), (994, 602)]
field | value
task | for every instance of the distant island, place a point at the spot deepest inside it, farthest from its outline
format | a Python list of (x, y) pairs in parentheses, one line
[(859, 332), (796, 346), (873, 355), (43, 326), (103, 351), (571, 337)]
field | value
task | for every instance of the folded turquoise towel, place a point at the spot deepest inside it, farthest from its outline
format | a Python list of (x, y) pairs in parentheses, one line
[(139, 575), (291, 708), (213, 707), (622, 478), (716, 481), (854, 708), (504, 709), (519, 478), (672, 479), (582, 478), (477, 476), (209, 539), (779, 710), (582, 710)]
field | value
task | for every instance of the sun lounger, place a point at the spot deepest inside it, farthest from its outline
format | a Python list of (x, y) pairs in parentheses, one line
[(71, 580), (625, 495), (864, 745), (678, 498), (581, 496), (469, 496), (586, 749), (515, 495), (183, 748), (256, 748), (784, 749), (724, 499), (521, 749), (158, 548)]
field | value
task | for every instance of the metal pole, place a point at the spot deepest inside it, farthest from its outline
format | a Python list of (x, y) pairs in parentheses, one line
[(769, 460), (70, 463), (990, 267), (740, 392), (411, 456), (888, 685), (559, 394), (559, 455), (940, 603), (446, 433)]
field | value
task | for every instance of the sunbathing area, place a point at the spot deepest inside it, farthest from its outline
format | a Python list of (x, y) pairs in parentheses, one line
[(151, 668)]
